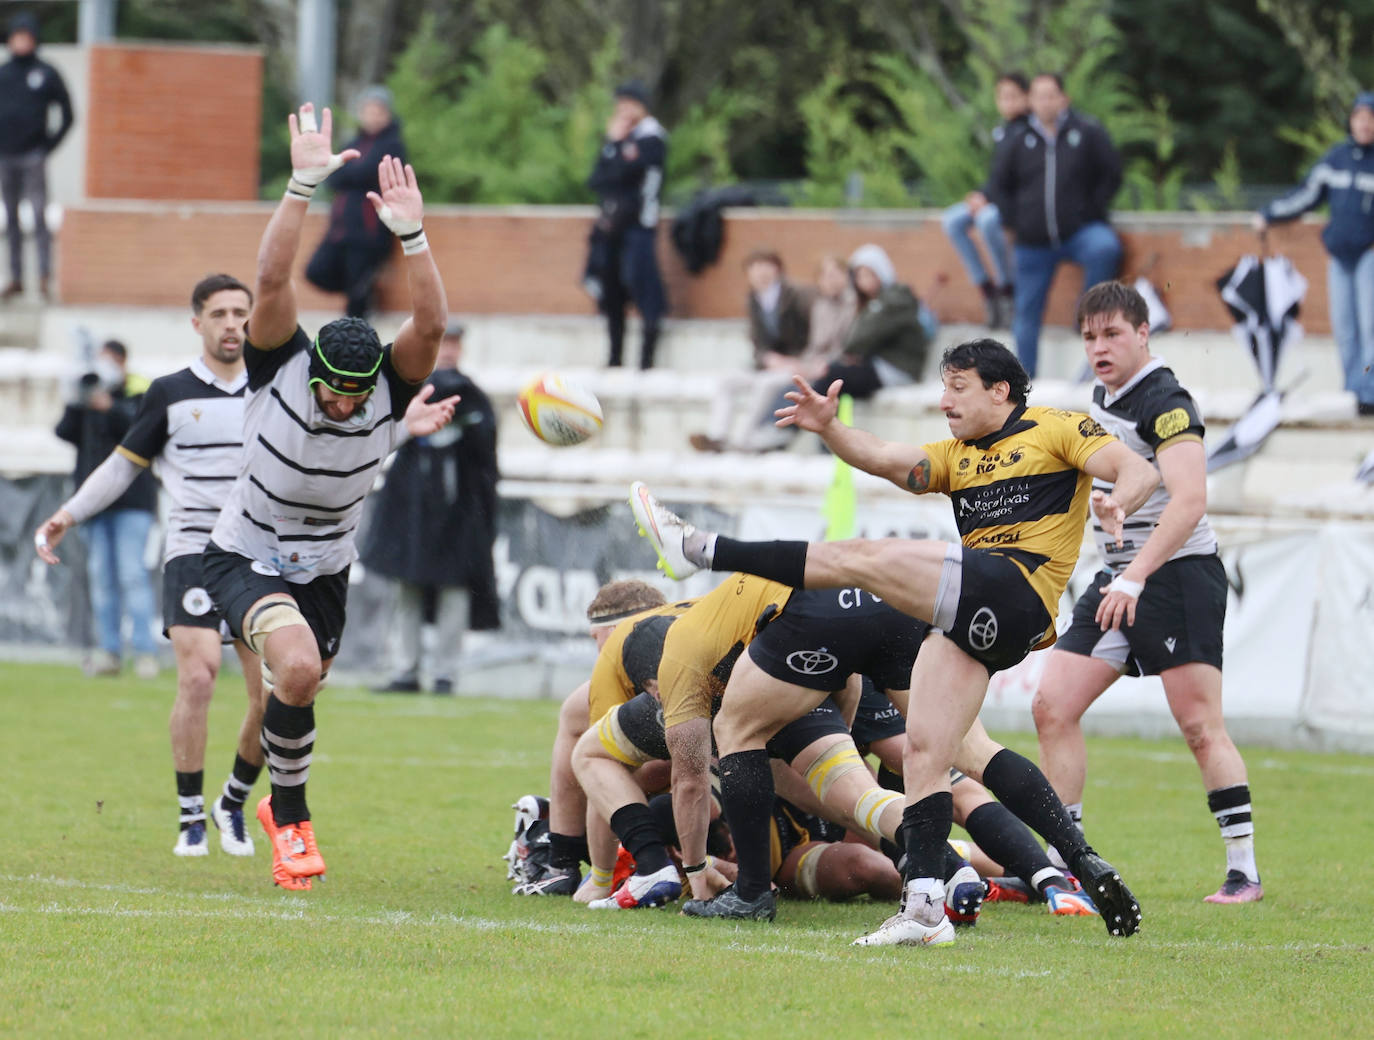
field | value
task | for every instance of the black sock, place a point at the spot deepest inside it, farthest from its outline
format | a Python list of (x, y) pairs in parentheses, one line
[(927, 826), (190, 799), (1018, 784), (288, 739), (996, 830), (783, 562), (746, 794), (568, 850), (634, 826), (240, 782)]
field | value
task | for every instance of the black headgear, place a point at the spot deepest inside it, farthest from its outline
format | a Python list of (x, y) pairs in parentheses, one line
[(346, 356)]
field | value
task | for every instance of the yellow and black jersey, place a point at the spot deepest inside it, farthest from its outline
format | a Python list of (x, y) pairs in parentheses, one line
[(703, 645), (615, 673), (1021, 492)]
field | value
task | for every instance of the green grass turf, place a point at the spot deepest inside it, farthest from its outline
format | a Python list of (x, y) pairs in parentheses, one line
[(415, 932)]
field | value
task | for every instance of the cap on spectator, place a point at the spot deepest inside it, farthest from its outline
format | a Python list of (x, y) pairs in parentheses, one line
[(454, 330), (875, 258), (635, 91), (24, 21), (378, 94), (1364, 99)]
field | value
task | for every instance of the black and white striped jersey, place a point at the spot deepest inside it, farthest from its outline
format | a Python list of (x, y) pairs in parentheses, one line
[(1150, 412), (296, 504), (190, 430)]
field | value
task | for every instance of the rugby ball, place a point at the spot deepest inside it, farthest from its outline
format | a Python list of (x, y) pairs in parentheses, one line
[(558, 410)]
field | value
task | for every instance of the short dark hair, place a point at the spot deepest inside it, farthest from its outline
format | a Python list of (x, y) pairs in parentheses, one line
[(763, 256), (118, 349), (1107, 298), (213, 283), (1017, 77), (1058, 79), (993, 362)]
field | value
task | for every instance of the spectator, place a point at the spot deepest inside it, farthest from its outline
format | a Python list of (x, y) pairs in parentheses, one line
[(357, 244), (977, 211), (779, 328), (891, 334), (1053, 178), (1344, 180), (433, 527), (621, 263), (832, 314), (29, 87), (107, 400)]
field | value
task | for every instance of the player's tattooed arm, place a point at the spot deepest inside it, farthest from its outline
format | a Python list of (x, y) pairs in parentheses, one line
[(918, 480)]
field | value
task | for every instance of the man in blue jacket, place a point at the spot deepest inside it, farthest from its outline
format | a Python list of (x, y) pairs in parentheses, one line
[(29, 87), (1053, 179), (1344, 180)]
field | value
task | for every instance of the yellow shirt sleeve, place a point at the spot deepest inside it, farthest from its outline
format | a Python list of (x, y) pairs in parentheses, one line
[(610, 686), (1077, 436), (939, 452)]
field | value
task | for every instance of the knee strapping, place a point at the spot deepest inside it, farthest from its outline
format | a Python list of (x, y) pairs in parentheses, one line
[(269, 684), (267, 617), (869, 809), (806, 878), (836, 762)]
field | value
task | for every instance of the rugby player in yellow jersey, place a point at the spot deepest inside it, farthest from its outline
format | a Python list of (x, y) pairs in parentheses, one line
[(1019, 479)]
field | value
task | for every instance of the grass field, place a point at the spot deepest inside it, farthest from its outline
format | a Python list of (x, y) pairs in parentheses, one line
[(415, 932)]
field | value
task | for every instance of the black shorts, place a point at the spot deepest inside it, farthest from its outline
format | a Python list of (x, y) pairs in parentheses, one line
[(236, 583), (1178, 620), (823, 636), (185, 600), (799, 734), (1000, 618), (877, 718), (641, 720)]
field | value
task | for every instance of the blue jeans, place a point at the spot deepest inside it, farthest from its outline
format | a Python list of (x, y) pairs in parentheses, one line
[(1351, 295), (957, 222), (119, 583), (1094, 247)]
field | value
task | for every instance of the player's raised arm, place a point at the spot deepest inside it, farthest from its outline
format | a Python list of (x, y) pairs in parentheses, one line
[(312, 160), (905, 465), (401, 208), (1132, 480)]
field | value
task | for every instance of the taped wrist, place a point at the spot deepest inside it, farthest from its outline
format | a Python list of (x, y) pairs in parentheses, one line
[(414, 242), (298, 189)]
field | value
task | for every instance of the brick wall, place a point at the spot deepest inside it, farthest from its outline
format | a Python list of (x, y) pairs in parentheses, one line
[(173, 122), (529, 260)]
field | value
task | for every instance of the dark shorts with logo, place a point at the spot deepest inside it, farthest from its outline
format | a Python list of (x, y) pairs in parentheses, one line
[(818, 644), (1178, 620), (1000, 618), (877, 718), (641, 720), (823, 720), (185, 600), (235, 584)]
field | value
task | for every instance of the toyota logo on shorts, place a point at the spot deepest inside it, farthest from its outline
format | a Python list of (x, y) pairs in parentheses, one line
[(196, 602), (812, 662), (982, 630)]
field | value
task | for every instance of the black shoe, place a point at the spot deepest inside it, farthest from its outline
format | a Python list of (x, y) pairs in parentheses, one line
[(551, 881), (1364, 408), (443, 687), (399, 686), (1119, 909), (727, 903)]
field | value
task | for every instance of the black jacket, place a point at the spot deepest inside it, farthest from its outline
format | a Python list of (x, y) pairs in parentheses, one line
[(30, 86), (628, 177), (793, 323), (352, 218), (1047, 190), (434, 521), (96, 434)]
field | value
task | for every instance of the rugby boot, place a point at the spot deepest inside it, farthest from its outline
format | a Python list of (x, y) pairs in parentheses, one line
[(1237, 888), (964, 894), (640, 890), (1065, 902), (294, 853), (1006, 890), (550, 881), (191, 841), (921, 921), (1114, 901), (729, 903), (665, 531), (233, 829)]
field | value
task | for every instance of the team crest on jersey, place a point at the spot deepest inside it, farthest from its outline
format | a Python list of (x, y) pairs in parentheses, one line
[(35, 79), (1171, 423), (1091, 428), (964, 463)]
